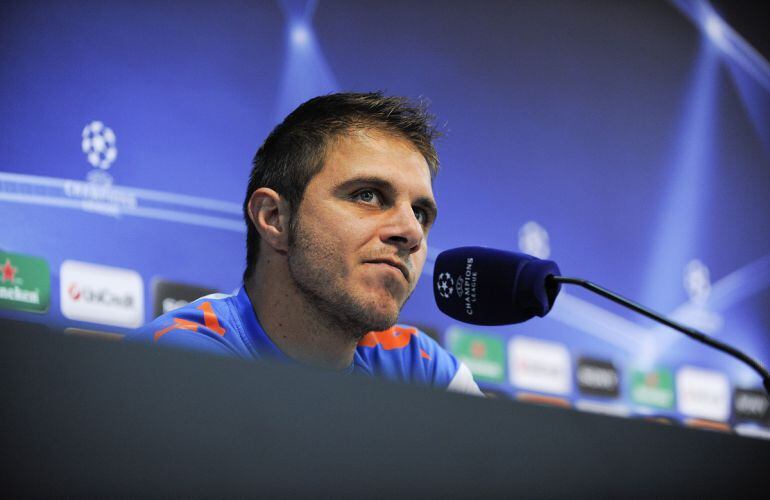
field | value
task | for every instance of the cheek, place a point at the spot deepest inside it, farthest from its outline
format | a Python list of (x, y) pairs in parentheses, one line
[(419, 258), (322, 247), (341, 221)]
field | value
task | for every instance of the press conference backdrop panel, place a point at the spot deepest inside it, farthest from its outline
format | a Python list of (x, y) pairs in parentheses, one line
[(628, 141)]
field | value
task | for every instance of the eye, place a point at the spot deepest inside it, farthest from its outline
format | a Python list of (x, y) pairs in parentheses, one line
[(366, 195), (421, 215)]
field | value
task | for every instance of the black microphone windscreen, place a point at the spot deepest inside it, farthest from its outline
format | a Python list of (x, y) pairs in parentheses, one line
[(483, 286)]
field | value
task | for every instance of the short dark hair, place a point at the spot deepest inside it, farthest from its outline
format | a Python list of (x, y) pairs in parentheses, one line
[(295, 150)]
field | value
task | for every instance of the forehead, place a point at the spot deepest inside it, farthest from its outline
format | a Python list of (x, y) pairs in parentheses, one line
[(373, 153)]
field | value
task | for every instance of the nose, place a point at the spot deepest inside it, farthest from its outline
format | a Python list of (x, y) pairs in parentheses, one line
[(403, 229)]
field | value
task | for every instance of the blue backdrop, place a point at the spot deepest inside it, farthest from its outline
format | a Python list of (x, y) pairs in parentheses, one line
[(628, 141)]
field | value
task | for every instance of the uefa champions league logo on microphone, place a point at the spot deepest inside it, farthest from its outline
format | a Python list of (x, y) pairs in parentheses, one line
[(445, 285)]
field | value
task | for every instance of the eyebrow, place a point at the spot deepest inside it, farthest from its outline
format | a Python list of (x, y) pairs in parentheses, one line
[(423, 202)]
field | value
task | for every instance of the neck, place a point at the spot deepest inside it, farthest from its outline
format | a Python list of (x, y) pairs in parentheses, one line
[(296, 327)]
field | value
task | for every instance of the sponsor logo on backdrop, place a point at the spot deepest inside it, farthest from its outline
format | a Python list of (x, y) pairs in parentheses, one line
[(539, 365), (98, 194), (598, 378), (483, 354), (101, 294), (702, 393), (751, 405), (169, 295), (653, 388), (25, 283), (98, 144)]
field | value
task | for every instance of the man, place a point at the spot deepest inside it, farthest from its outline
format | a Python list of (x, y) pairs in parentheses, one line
[(338, 210)]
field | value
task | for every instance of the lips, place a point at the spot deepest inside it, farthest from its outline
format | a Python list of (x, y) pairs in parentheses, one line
[(395, 263)]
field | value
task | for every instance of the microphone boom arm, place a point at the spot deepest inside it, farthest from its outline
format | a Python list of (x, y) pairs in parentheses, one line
[(552, 280)]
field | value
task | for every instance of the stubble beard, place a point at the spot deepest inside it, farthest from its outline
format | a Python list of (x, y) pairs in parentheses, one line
[(310, 267)]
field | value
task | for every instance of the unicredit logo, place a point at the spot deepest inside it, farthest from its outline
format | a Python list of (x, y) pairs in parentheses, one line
[(539, 365), (537, 368), (101, 296)]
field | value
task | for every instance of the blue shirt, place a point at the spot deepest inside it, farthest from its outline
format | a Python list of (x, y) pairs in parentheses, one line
[(227, 325)]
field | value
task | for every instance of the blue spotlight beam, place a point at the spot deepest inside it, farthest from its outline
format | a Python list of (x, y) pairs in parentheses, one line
[(750, 71), (729, 42), (299, 9), (678, 228), (306, 71)]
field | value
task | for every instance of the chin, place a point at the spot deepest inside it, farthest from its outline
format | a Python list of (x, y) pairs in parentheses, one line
[(379, 326), (380, 314)]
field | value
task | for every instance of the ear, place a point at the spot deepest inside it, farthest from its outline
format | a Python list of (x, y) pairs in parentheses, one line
[(269, 212)]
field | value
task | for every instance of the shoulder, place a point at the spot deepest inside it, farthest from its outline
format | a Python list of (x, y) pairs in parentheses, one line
[(408, 354), (208, 324)]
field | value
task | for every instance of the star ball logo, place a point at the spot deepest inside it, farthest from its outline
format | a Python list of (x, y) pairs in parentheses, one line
[(98, 194), (445, 285), (99, 145), (25, 284)]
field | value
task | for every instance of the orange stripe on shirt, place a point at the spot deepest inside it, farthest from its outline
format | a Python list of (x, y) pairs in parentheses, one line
[(209, 318), (393, 338), (179, 324)]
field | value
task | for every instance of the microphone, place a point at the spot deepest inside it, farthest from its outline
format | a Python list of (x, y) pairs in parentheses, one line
[(483, 286)]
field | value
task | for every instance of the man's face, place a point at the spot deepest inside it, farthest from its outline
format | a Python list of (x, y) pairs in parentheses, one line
[(358, 242)]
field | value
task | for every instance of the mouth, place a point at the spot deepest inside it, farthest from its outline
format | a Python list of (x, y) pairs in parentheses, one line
[(393, 263)]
